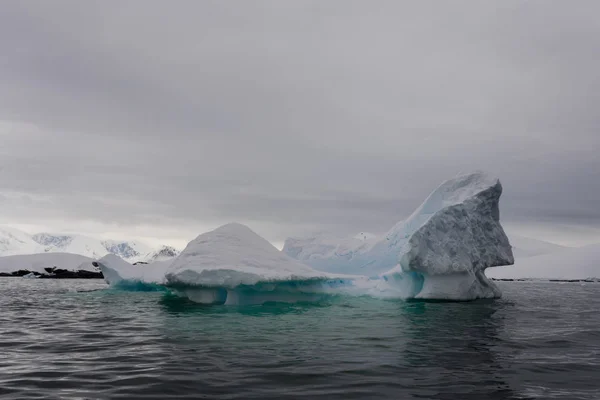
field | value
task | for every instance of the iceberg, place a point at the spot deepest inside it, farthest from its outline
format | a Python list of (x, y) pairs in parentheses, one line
[(229, 265), (439, 252), (119, 273)]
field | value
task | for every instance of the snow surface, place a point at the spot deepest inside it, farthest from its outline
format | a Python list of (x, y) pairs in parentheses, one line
[(131, 251), (163, 254), (116, 270), (233, 255), (14, 242), (568, 263), (37, 262), (75, 244)]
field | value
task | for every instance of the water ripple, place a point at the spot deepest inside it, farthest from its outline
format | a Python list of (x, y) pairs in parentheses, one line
[(77, 339)]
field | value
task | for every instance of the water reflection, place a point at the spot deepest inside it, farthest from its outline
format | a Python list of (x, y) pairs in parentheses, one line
[(453, 346)]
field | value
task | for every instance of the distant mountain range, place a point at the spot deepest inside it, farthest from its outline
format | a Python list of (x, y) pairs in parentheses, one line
[(16, 242)]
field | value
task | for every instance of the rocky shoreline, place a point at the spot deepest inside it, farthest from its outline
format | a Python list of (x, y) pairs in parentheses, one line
[(54, 273)]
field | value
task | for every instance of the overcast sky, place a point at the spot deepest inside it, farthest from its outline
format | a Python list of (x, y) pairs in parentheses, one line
[(163, 119)]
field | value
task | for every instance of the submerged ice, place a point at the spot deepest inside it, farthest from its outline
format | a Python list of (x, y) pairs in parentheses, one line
[(440, 252)]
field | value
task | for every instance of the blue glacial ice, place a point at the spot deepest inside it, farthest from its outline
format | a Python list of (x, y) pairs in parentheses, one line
[(440, 252)]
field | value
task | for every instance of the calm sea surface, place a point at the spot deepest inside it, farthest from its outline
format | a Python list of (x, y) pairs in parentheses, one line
[(73, 339)]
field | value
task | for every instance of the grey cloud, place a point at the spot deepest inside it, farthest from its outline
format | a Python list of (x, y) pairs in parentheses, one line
[(295, 116)]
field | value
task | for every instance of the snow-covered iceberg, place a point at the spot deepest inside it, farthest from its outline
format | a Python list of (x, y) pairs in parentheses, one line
[(440, 252), (229, 265), (119, 273)]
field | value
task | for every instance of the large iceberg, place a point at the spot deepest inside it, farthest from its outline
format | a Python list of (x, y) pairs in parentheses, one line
[(440, 252)]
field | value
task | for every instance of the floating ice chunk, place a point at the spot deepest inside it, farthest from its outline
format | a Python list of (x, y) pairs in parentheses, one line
[(117, 271)]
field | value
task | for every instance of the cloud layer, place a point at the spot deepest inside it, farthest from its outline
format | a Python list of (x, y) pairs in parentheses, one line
[(293, 116)]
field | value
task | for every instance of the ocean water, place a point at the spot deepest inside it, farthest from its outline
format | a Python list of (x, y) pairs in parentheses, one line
[(72, 339)]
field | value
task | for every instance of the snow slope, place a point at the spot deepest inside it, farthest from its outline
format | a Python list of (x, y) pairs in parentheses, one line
[(163, 254), (568, 263), (233, 255), (13, 242), (116, 271), (37, 262), (74, 244), (131, 251)]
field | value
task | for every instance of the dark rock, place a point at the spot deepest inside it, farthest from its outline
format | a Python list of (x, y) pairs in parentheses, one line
[(21, 272), (57, 273), (80, 274)]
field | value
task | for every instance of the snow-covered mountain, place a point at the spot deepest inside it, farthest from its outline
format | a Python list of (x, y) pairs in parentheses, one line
[(16, 242), (525, 247), (13, 242), (162, 254), (131, 251), (74, 244)]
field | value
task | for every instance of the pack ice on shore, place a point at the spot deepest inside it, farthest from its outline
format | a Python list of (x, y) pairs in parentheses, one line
[(440, 252)]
